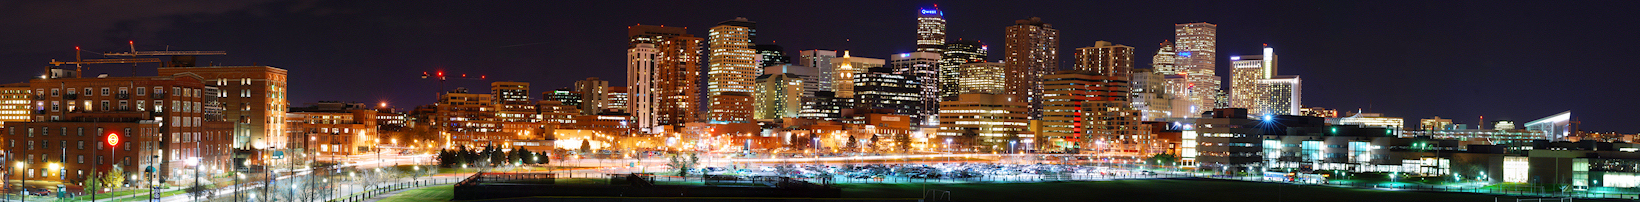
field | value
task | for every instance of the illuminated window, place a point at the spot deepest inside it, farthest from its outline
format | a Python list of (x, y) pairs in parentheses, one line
[(1515, 169)]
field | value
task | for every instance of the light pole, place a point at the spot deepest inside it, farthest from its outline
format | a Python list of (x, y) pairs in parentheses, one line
[(57, 166), (5, 182), (267, 174), (24, 185), (113, 139), (197, 153)]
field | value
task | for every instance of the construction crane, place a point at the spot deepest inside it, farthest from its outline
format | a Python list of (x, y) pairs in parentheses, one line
[(439, 75), (79, 62), (178, 58), (439, 96)]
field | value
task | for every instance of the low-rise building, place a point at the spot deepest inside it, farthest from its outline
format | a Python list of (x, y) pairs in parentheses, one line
[(987, 122), (159, 122), (341, 131)]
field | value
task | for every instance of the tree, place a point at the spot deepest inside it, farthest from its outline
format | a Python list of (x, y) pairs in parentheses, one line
[(798, 141), (545, 157), (851, 142), (875, 143), (446, 158), (525, 156), (1163, 159), (115, 177), (513, 157), (683, 165), (969, 138), (470, 157), (200, 190), (1013, 141), (94, 182), (586, 146), (904, 141), (497, 157)]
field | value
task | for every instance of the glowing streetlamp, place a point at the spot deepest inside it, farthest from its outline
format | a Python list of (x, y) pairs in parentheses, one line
[(53, 166)]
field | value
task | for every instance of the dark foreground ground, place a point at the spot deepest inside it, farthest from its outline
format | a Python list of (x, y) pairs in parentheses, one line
[(1156, 190), (1124, 190)]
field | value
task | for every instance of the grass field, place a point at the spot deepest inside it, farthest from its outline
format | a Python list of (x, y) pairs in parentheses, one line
[(1123, 190), (433, 193)]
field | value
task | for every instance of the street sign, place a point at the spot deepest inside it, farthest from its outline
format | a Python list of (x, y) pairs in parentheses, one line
[(113, 139), (278, 154)]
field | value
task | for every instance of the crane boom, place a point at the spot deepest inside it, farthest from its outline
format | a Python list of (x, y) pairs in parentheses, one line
[(155, 53), (104, 61)]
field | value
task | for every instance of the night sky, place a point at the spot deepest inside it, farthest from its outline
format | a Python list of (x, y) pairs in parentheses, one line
[(1454, 59)]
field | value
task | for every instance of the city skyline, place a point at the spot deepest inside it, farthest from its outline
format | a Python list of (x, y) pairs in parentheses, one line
[(1335, 75), (310, 100)]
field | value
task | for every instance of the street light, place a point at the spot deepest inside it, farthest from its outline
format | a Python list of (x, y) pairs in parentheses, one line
[(24, 166)]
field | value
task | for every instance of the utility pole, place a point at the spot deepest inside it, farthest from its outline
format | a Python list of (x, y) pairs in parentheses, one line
[(267, 176), (5, 157), (197, 154)]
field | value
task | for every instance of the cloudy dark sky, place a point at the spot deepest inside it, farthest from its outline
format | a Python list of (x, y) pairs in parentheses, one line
[(1416, 59)]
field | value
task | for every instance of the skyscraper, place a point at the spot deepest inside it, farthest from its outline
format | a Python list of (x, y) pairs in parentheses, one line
[(820, 60), (1165, 61), (733, 66), (778, 95), (1032, 51), (663, 77), (845, 68), (1283, 96), (640, 81), (513, 101), (1245, 73), (1197, 56), (825, 105), (880, 88), (1150, 97), (923, 67), (618, 99), (732, 107), (592, 95), (1173, 82), (809, 76), (930, 30), (564, 96), (983, 77), (1084, 109), (772, 55), (1107, 59), (956, 54)]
